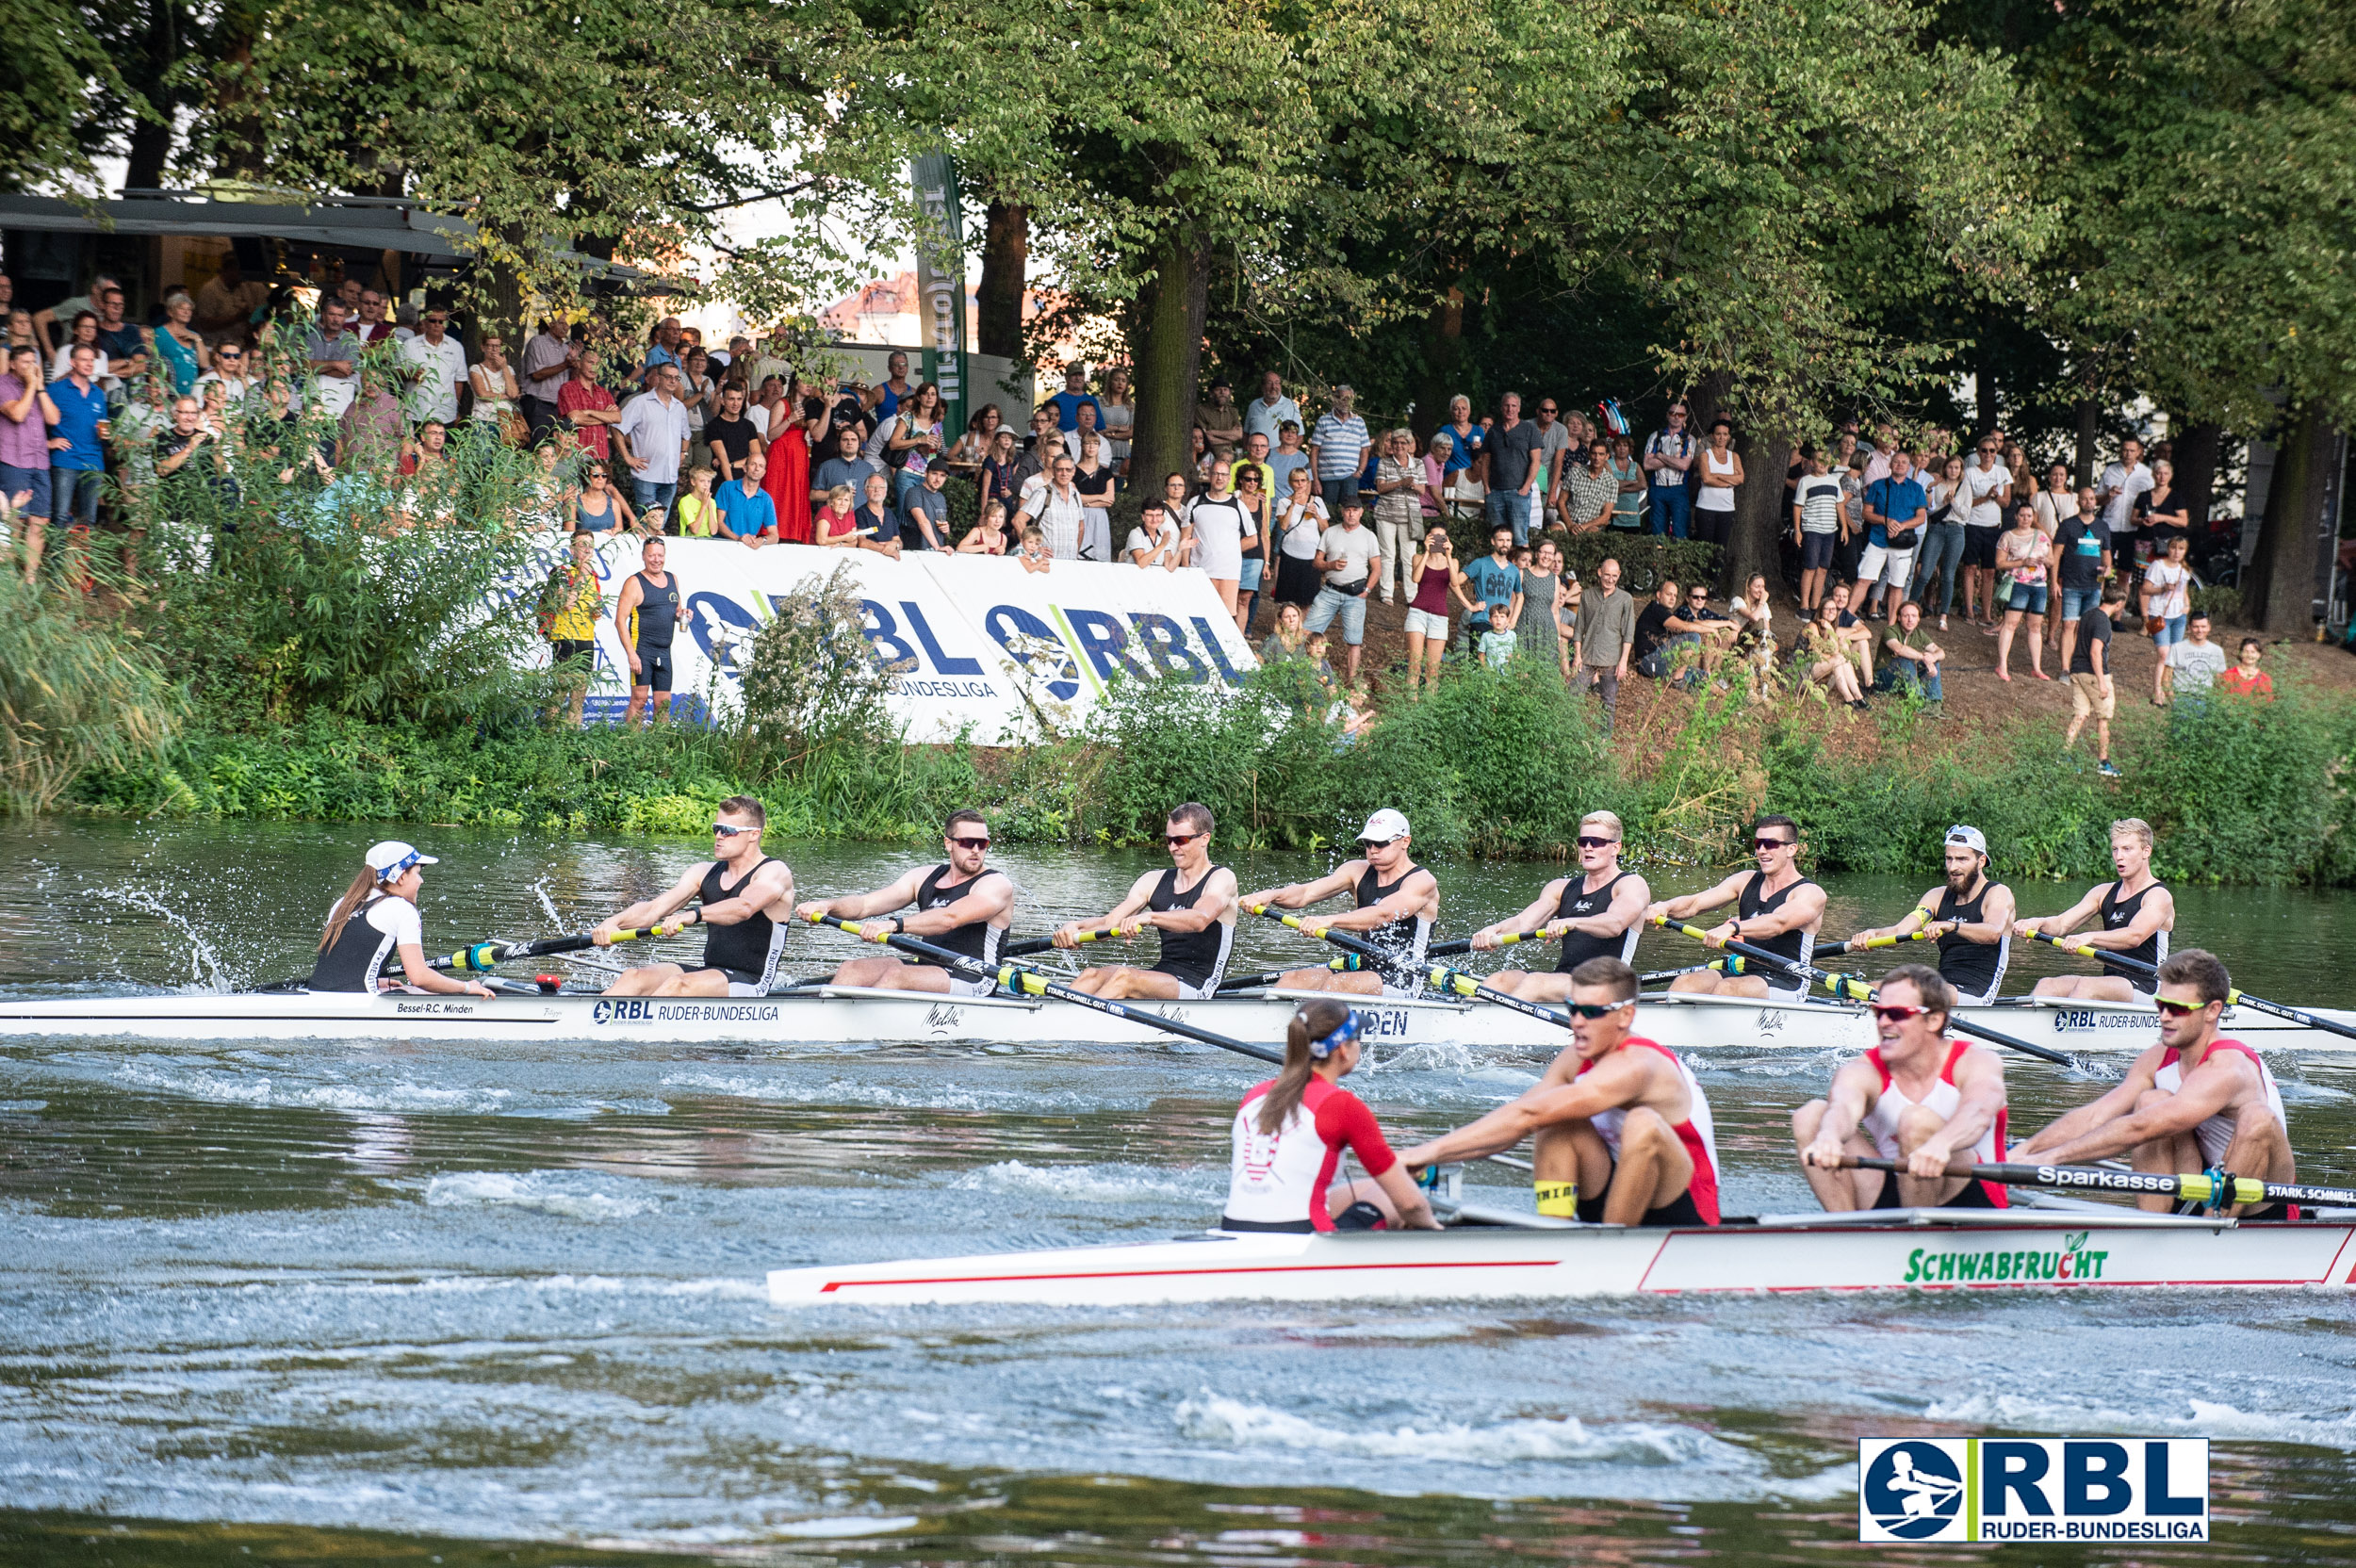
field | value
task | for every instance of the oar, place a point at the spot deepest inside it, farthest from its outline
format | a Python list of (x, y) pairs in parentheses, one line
[(1442, 976), (2232, 998), (480, 956), (1728, 966), (1029, 945), (1450, 948), (1853, 989), (1853, 945), (1269, 976), (2211, 1190), (1028, 981)]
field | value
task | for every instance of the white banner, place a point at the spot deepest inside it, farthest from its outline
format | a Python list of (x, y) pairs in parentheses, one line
[(981, 646)]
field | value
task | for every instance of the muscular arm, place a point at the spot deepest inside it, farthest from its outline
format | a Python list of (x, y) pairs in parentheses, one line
[(1916, 919), (1804, 908), (1990, 930), (1612, 1083), (1845, 1105), (1140, 893), (649, 912), (899, 895), (986, 897), (2063, 924), (1217, 900), (1701, 902), (1409, 897), (2208, 1089), (772, 883), (1528, 920), (1980, 1085), (2118, 1102), (1300, 895)]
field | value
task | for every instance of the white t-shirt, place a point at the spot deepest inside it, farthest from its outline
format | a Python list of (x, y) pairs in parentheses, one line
[(2197, 666), (1219, 530), (1299, 529), (1982, 487), (1353, 546), (2122, 485), (1141, 541), (1820, 505), (2054, 508), (435, 394), (2171, 602)]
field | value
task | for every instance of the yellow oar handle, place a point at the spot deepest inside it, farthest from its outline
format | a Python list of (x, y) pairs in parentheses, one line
[(2068, 946), (640, 935)]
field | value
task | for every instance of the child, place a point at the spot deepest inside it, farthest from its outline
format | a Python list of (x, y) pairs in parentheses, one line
[(988, 535), (1037, 557), (699, 515), (1497, 644)]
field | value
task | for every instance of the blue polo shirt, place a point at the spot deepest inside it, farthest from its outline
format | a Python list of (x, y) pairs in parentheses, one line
[(1462, 449), (1892, 498), (1068, 409), (79, 414), (742, 515)]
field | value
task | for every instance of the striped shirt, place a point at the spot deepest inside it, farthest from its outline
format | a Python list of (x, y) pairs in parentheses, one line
[(1339, 443)]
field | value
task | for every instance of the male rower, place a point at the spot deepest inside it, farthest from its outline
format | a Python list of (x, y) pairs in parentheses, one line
[(1774, 908), (1969, 917), (1397, 904), (1597, 915), (1918, 1097), (746, 897), (1192, 906), (2137, 914), (2193, 1101), (961, 904), (1620, 1129)]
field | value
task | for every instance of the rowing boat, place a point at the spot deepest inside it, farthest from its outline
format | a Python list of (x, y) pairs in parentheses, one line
[(835, 1015), (2089, 1248)]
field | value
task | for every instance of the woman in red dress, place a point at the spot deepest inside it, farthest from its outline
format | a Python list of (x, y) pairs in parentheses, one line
[(788, 478)]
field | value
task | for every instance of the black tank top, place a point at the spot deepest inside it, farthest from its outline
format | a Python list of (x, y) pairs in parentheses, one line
[(1973, 968), (751, 946), (358, 954), (658, 612), (1406, 936), (975, 938), (1195, 957), (2121, 912), (1577, 904), (1798, 946)]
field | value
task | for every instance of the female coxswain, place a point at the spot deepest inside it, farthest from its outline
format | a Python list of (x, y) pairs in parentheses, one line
[(376, 917), (1290, 1133)]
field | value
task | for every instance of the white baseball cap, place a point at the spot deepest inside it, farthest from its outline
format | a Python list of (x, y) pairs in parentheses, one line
[(1971, 838), (391, 858), (1383, 826)]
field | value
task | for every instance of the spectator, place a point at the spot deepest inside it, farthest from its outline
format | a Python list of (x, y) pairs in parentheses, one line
[(1430, 575), (1199, 455), (440, 363), (1668, 456), (1268, 413), (1087, 413), (83, 331), (599, 507), (584, 404), (1497, 644), (45, 328), (176, 345), (662, 352), (374, 430), (1034, 555), (1512, 479), (27, 415), (729, 436), (118, 339), (1120, 415), (2245, 678), (1154, 542), (334, 356), (974, 448), (837, 523), (1895, 511), (988, 536), (1338, 447), (1590, 495), (1254, 461), (2166, 604), (2199, 662), (895, 387), (1560, 452), (1856, 638), (924, 512), (498, 391), (2026, 554), (916, 439), (653, 433), (1607, 632), (368, 320), (875, 526), (2057, 502), (404, 324), (428, 451), (2122, 481), (1912, 658), (1665, 626), (1849, 554), (2080, 561), (1057, 510), (1219, 420), (748, 514), (2091, 693), (1819, 525), (699, 395), (1491, 582), (1000, 479), (1822, 662), (547, 365), (1754, 619), (798, 428), (1949, 492), (1539, 632), (1044, 442), (1346, 555), (1989, 487), (772, 361), (698, 515), (229, 376), (1218, 522), (646, 620), (1627, 511), (569, 619), (1721, 468), (1398, 514), (1288, 457), (1298, 526), (2160, 513), (848, 466), (1288, 640)]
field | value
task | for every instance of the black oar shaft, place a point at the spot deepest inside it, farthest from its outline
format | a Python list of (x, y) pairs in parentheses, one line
[(1442, 976), (2215, 1189), (2279, 1010)]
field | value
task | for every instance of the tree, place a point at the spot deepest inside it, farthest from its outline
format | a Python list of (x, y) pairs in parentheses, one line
[(61, 97)]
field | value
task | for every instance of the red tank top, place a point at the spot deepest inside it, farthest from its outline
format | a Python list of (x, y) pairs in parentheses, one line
[(1432, 591)]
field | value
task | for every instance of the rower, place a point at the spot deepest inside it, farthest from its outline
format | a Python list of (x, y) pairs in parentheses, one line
[(2193, 1101), (1192, 906), (2137, 914), (1774, 908), (376, 919), (1969, 917), (1291, 1132), (746, 898), (1596, 915), (962, 905), (1918, 1097), (1620, 1128), (1397, 904)]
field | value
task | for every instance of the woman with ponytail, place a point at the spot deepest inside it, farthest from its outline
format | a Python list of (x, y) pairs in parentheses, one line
[(377, 919), (1290, 1133)]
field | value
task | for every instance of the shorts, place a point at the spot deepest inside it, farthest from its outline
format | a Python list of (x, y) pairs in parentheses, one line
[(744, 982), (1676, 1211), (655, 674), (966, 984), (1979, 546), (1352, 608), (2077, 601), (2171, 632), (1254, 566), (2088, 700), (2029, 598), (1191, 986), (561, 648), (15, 481), (1425, 623), (1816, 551), (1973, 1195), (1881, 564)]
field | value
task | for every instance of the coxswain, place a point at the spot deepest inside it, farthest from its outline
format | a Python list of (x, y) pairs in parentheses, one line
[(1619, 1126), (743, 896), (1191, 905), (2193, 1101), (1596, 915), (1290, 1133), (1918, 1097), (2137, 913), (1774, 908), (645, 618), (1398, 902), (376, 919), (1969, 917), (961, 904)]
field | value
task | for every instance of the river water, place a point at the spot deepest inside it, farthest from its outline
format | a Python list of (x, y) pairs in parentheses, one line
[(292, 1303)]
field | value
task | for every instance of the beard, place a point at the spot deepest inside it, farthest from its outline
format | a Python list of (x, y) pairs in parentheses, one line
[(1958, 881)]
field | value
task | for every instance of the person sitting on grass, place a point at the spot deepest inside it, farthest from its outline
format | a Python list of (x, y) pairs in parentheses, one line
[(2245, 678), (1822, 662)]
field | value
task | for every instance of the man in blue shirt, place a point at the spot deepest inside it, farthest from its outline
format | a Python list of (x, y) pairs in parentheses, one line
[(1494, 582), (747, 512), (78, 450), (1075, 392), (1339, 446), (1895, 510)]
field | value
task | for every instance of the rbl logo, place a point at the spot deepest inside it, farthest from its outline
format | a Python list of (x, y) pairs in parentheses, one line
[(624, 1009)]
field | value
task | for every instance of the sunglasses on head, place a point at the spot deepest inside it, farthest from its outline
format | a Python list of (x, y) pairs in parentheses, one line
[(1892, 1012), (1588, 840), (1595, 1010), (970, 843), (2178, 1010)]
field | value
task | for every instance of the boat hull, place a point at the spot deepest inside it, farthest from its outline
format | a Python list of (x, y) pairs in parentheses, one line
[(1905, 1250)]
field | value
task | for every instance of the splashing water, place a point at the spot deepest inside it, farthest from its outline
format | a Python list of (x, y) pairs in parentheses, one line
[(205, 965)]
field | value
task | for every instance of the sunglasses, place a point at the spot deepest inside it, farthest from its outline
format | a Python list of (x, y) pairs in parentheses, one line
[(725, 831), (1773, 843), (1591, 1010), (2178, 1009), (1893, 1013), (970, 843), (1588, 840), (1174, 840)]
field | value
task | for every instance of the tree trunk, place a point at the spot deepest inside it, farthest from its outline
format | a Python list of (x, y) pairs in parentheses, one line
[(998, 301), (1165, 340), (2278, 589), (149, 75), (2089, 431), (1760, 515), (1443, 364), (2196, 472)]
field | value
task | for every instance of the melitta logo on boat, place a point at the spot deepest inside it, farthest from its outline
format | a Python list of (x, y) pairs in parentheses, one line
[(1963, 1490), (2070, 1264)]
